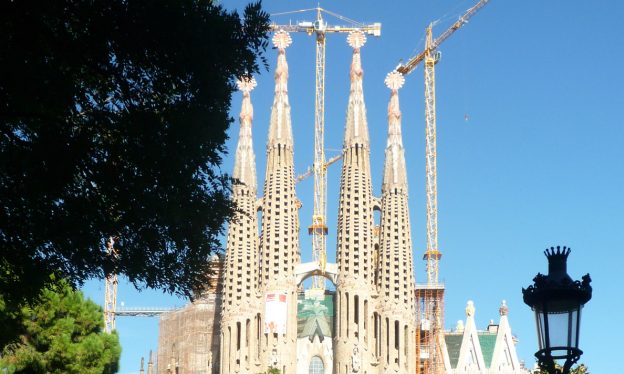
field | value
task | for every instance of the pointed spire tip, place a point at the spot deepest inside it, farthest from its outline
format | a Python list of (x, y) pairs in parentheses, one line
[(246, 84), (394, 80), (281, 40), (356, 39)]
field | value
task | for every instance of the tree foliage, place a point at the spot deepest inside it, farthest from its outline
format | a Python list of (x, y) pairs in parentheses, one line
[(578, 369), (59, 333), (113, 118)]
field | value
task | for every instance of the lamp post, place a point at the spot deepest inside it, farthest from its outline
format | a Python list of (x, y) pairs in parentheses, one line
[(557, 301)]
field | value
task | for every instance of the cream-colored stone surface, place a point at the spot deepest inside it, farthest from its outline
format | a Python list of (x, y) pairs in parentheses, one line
[(356, 296), (374, 327), (279, 243), (240, 315), (395, 280)]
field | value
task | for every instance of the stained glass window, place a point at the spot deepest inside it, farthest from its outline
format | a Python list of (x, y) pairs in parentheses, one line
[(316, 366)]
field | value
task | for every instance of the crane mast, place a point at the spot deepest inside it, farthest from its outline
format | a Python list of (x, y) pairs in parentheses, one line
[(430, 296), (433, 294), (318, 229), (433, 254)]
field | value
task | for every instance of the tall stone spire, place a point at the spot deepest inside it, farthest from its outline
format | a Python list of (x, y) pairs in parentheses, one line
[(356, 130), (240, 307), (245, 161), (354, 335), (280, 130), (396, 280), (395, 175), (279, 245)]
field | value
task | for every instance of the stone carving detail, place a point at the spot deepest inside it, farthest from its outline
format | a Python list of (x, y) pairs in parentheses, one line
[(355, 360), (356, 39), (470, 309), (504, 309), (273, 359)]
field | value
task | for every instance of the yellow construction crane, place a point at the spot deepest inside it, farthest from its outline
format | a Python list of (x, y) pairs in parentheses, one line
[(430, 296), (309, 171), (318, 27)]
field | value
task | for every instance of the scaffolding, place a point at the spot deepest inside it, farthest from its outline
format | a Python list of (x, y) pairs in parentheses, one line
[(188, 338), (430, 331)]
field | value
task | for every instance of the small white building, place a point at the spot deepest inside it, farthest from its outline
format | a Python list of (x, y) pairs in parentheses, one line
[(489, 351)]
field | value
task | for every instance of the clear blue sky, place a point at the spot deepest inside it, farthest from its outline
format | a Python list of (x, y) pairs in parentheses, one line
[(539, 162)]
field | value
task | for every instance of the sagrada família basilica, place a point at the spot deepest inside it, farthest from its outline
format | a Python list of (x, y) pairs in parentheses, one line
[(256, 318)]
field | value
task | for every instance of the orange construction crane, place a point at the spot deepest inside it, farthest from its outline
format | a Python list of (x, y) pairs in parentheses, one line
[(318, 228), (430, 296)]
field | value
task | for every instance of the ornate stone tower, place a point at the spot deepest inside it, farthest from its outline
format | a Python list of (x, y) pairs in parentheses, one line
[(240, 318), (396, 282), (373, 309), (279, 243), (355, 286)]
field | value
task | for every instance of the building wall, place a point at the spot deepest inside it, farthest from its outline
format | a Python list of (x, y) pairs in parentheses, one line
[(307, 349), (188, 339)]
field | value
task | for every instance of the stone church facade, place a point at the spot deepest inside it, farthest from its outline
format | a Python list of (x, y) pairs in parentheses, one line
[(262, 318)]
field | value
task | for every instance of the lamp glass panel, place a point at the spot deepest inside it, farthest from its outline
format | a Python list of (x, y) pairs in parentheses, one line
[(563, 324), (575, 324), (558, 323), (541, 333)]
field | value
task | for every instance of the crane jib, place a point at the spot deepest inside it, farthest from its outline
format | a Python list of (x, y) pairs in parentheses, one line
[(413, 62)]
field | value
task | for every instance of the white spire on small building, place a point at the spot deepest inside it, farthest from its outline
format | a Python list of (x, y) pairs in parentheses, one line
[(505, 358), (470, 355)]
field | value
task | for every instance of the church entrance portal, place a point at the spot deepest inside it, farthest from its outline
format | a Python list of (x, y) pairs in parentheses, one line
[(315, 322)]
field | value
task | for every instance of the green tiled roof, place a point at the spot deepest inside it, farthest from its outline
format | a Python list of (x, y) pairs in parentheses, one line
[(487, 341), (315, 316), (453, 345)]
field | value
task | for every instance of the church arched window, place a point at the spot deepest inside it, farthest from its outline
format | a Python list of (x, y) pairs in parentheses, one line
[(316, 366)]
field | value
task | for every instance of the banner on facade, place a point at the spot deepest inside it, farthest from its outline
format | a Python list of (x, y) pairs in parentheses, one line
[(276, 312)]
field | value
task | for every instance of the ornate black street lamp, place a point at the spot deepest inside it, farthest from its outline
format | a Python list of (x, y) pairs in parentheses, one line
[(557, 301)]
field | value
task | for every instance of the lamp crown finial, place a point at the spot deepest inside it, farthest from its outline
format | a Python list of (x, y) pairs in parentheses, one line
[(558, 252), (557, 263)]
